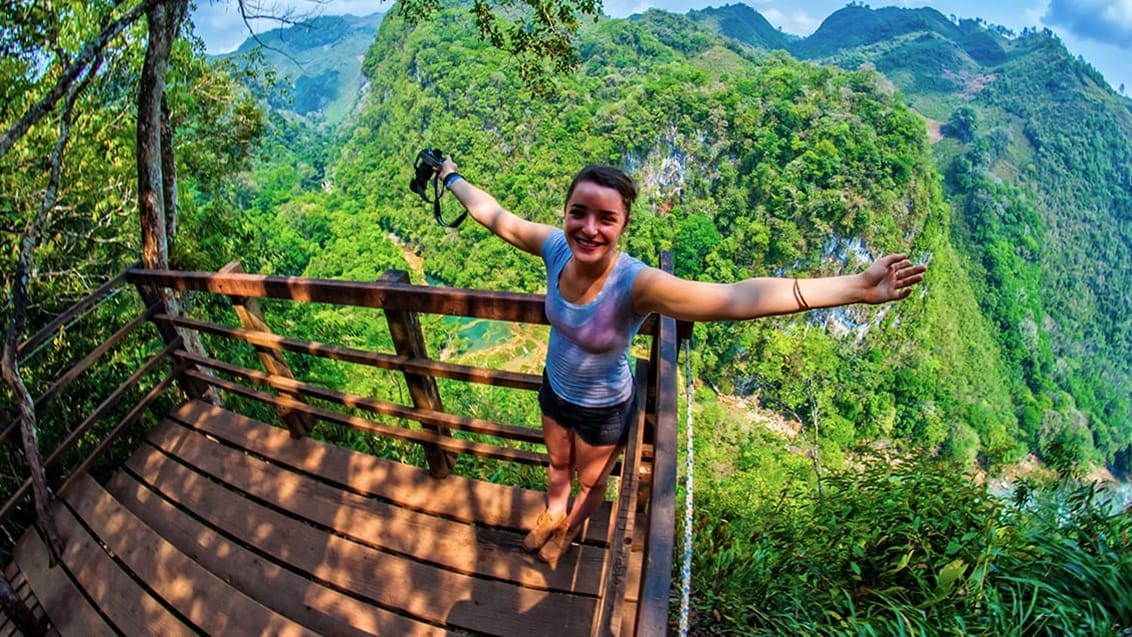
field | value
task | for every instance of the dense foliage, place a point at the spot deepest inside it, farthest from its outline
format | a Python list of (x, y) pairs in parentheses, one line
[(1040, 191)]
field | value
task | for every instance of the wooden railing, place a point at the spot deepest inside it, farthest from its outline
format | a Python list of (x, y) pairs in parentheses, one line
[(300, 403)]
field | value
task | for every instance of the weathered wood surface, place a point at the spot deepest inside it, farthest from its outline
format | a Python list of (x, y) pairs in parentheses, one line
[(516, 307), (22, 589), (251, 317), (236, 528)]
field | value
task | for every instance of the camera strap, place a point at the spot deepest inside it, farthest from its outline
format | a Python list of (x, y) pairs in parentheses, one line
[(437, 191)]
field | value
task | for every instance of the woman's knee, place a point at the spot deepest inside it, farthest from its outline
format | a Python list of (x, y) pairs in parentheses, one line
[(561, 463), (593, 482)]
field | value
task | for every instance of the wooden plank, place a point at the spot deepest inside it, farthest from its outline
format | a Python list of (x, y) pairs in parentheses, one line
[(455, 496), (476, 550), (322, 609), (633, 587), (384, 408), (198, 595), (65, 605), (125, 604), (395, 432), (422, 590), (439, 369)]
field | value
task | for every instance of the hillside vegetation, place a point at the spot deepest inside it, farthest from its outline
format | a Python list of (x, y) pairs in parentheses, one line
[(315, 67), (1038, 166)]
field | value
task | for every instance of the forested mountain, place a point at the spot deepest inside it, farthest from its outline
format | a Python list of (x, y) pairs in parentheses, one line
[(1038, 166), (315, 66)]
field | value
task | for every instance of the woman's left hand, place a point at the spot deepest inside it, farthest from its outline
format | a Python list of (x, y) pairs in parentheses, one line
[(891, 278)]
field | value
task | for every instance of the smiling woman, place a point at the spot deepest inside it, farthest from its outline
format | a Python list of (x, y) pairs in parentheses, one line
[(597, 298)]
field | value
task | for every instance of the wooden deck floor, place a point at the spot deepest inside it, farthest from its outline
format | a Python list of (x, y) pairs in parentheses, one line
[(226, 526)]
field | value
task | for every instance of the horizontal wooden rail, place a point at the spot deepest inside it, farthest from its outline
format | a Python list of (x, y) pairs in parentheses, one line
[(427, 367), (514, 307), (82, 365), (389, 431), (88, 360), (377, 407), (51, 329), (501, 306), (109, 402), (127, 420)]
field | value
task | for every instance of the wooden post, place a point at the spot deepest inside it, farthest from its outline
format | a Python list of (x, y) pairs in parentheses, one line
[(407, 338), (607, 620), (299, 423)]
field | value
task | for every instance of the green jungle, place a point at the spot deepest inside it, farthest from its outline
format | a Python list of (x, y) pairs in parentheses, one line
[(952, 464)]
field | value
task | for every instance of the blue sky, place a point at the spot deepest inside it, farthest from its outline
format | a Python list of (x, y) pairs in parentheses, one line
[(1100, 31)]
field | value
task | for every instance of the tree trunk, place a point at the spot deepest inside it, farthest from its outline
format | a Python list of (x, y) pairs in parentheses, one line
[(157, 173), (164, 21), (10, 356), (168, 172)]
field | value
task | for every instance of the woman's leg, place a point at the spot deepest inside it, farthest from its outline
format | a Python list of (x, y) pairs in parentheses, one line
[(560, 473), (593, 464)]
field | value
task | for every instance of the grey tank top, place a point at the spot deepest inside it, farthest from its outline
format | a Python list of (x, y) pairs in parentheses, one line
[(587, 361)]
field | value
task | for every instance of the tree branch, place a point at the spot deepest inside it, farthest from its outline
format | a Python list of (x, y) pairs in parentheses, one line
[(91, 51), (9, 365)]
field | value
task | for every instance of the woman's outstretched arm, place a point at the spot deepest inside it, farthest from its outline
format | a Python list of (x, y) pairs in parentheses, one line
[(890, 278), (528, 236)]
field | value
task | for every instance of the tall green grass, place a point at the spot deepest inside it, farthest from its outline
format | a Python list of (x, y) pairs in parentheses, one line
[(914, 547)]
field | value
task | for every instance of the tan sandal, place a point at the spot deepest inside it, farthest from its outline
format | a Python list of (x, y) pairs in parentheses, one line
[(558, 544), (546, 525)]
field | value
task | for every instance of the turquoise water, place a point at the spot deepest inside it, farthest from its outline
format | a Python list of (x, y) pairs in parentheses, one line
[(479, 333)]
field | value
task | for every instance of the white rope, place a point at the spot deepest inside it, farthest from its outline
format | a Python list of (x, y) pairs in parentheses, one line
[(686, 568)]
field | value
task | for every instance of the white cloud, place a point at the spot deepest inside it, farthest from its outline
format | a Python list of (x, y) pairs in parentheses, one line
[(1106, 21), (796, 23)]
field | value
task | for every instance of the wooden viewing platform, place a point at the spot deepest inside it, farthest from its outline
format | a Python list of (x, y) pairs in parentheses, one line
[(226, 522)]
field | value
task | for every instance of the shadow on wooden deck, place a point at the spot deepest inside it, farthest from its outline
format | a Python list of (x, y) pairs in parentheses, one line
[(224, 525)]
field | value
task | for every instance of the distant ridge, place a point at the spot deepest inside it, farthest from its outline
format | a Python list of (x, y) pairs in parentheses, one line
[(741, 22), (319, 64)]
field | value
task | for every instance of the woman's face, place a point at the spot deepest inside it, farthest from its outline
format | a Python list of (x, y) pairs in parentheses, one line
[(595, 219)]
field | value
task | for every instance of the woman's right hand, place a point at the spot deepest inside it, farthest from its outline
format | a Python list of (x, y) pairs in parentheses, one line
[(447, 167)]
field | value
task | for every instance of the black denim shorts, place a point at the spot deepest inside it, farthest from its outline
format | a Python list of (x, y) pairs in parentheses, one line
[(597, 426)]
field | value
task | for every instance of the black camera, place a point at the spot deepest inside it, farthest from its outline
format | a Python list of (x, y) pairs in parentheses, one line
[(425, 168), (428, 160)]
